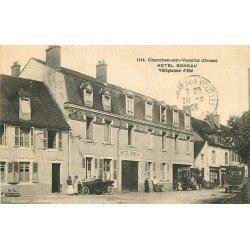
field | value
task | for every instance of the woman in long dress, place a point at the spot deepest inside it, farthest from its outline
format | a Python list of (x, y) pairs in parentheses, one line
[(146, 185), (70, 189), (75, 185)]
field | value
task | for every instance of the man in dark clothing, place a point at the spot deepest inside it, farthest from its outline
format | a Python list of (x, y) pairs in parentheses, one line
[(146, 185)]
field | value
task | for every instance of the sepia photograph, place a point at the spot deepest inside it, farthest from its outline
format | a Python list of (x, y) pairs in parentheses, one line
[(124, 124)]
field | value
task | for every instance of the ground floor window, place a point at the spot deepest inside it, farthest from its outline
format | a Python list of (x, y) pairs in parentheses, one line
[(89, 166), (214, 176), (150, 170), (106, 169), (3, 173), (24, 171), (163, 171)]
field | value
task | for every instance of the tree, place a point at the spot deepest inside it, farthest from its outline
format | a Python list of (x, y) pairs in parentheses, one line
[(239, 130)]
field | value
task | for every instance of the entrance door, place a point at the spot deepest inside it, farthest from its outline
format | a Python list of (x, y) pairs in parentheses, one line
[(55, 178), (130, 175)]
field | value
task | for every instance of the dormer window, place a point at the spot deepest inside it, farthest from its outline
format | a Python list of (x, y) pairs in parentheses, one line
[(24, 109), (106, 100), (87, 94), (149, 110), (175, 117), (187, 121), (129, 105), (163, 114)]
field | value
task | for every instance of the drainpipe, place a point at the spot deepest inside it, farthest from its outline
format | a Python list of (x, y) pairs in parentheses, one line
[(118, 158)]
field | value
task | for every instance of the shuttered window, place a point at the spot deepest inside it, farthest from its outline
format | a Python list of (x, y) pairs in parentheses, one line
[(3, 134), (3, 171), (32, 137), (24, 137), (101, 168), (17, 136), (35, 172), (60, 140), (115, 170), (24, 171), (107, 131), (89, 128), (45, 138)]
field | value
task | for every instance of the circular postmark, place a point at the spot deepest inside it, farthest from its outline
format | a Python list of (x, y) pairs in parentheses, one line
[(199, 94)]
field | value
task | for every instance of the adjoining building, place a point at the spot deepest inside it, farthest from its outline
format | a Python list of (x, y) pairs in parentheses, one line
[(33, 137), (213, 153), (116, 133)]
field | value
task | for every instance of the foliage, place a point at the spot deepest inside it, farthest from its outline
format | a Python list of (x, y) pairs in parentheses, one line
[(239, 130)]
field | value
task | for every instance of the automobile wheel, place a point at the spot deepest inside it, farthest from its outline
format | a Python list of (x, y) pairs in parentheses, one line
[(85, 190), (110, 190)]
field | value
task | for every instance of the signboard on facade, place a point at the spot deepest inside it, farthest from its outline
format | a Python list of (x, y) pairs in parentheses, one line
[(130, 154)]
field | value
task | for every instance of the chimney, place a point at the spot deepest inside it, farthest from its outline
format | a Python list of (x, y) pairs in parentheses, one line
[(101, 72), (53, 56), (15, 69), (213, 119)]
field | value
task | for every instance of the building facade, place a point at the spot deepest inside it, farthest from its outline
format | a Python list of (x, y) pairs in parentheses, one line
[(33, 138), (116, 133), (213, 153)]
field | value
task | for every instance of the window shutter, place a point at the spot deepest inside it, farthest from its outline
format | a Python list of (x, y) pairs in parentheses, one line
[(17, 136), (101, 168), (96, 163), (32, 137), (16, 172), (45, 138), (35, 172), (154, 166), (4, 134), (60, 140), (83, 162), (10, 172), (115, 169)]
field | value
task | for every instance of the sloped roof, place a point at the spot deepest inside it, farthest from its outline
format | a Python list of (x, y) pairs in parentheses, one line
[(207, 133), (74, 79), (44, 111)]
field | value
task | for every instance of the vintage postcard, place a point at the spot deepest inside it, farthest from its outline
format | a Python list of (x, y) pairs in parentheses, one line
[(124, 124)]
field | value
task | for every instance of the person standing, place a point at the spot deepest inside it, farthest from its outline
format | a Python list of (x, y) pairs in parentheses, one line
[(146, 185), (70, 189), (75, 185)]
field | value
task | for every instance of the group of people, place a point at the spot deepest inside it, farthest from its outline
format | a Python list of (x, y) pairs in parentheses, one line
[(72, 188), (155, 183)]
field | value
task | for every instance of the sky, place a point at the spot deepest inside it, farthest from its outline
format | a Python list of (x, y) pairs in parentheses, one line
[(228, 72)]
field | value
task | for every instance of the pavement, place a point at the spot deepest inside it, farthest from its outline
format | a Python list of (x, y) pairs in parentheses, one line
[(172, 197)]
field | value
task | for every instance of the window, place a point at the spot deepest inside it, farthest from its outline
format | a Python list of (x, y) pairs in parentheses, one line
[(163, 171), (106, 100), (106, 169), (226, 158), (176, 139), (3, 173), (24, 171), (149, 169), (163, 114), (25, 137), (163, 140), (89, 128), (129, 105), (202, 158), (175, 117), (25, 105), (187, 121), (130, 134), (150, 139), (149, 110), (213, 157), (188, 144), (107, 131), (89, 166), (52, 134), (2, 134)]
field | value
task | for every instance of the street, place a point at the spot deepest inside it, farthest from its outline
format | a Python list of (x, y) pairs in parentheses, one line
[(174, 197)]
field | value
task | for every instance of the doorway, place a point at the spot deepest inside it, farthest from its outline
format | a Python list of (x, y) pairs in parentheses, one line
[(56, 178), (130, 175)]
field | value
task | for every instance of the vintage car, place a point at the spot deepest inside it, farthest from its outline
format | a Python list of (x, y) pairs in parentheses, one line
[(235, 179), (97, 186)]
